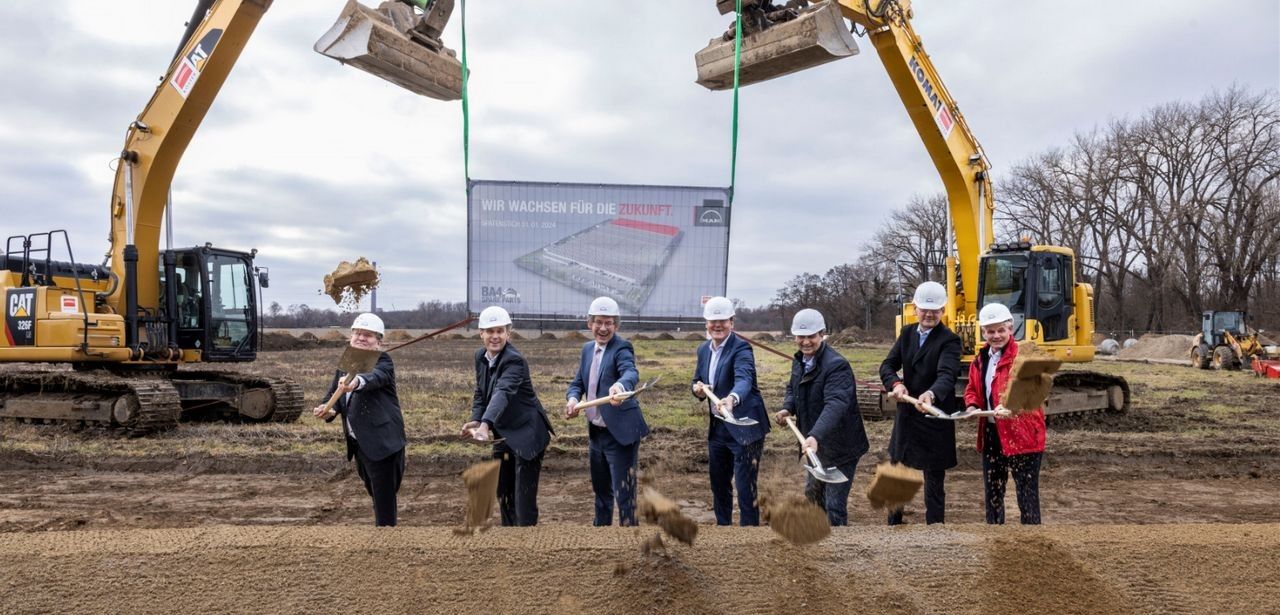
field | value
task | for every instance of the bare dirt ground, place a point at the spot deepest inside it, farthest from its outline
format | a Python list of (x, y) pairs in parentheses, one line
[(1172, 507)]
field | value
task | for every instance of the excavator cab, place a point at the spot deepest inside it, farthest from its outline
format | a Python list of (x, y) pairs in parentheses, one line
[(1035, 284), (396, 43), (212, 303), (776, 41)]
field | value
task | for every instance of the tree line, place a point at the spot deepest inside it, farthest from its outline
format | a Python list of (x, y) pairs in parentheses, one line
[(1170, 213)]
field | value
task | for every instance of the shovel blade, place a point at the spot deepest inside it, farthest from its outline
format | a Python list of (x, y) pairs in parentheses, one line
[(358, 360), (733, 420), (817, 36), (827, 475), (368, 40)]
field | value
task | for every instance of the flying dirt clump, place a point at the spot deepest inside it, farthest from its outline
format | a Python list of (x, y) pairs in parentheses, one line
[(654, 507), (481, 480), (894, 485), (794, 517), (350, 282), (1030, 380)]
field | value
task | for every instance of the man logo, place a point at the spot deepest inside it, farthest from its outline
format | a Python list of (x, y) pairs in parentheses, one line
[(711, 216)]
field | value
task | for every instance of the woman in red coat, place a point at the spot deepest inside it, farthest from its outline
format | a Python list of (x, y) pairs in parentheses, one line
[(1007, 444)]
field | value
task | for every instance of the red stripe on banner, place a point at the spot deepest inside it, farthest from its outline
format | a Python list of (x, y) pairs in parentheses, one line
[(662, 229)]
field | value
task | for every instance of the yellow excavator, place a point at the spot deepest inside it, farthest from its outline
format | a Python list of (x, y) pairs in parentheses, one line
[(1036, 282), (127, 326)]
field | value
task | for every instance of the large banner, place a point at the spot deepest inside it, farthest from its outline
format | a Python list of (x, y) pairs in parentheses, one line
[(548, 249)]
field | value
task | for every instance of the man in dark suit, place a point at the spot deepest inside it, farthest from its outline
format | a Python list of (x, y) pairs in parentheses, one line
[(727, 365), (608, 367), (371, 421), (506, 406), (928, 353), (820, 395)]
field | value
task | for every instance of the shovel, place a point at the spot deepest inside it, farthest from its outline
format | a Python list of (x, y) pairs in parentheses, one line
[(828, 475), (354, 361), (1000, 412), (600, 401), (934, 411), (727, 417)]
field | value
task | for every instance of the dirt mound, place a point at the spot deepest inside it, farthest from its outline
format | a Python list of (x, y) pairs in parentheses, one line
[(1154, 346), (795, 518), (455, 336), (333, 336), (350, 282), (279, 340), (553, 568), (664, 336), (695, 337), (308, 336), (399, 335), (515, 336), (764, 337), (847, 335), (575, 336), (640, 337), (547, 335)]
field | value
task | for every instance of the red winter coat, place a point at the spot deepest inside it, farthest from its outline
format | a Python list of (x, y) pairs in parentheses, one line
[(1021, 434)]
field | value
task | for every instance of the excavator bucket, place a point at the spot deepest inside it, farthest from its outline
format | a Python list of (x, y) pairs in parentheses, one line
[(382, 43), (817, 36)]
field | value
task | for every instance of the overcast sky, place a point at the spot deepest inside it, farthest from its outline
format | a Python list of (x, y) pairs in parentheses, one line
[(312, 162)]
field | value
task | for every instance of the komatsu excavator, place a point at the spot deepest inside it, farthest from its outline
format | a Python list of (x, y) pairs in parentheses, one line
[(1036, 282), (126, 326)]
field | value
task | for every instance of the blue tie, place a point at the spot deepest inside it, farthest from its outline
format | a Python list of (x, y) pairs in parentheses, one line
[(923, 335)]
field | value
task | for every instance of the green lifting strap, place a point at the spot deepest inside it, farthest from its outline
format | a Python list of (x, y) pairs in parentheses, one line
[(737, 65), (466, 114)]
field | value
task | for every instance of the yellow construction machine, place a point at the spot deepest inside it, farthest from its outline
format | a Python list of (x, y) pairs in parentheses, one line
[(1226, 342), (1036, 282), (127, 325)]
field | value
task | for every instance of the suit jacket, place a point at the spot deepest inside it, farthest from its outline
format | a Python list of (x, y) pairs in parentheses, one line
[(625, 422), (373, 413), (507, 402), (919, 441), (735, 373), (826, 407)]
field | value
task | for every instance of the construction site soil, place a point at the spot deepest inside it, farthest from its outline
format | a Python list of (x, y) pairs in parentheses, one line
[(1173, 507)]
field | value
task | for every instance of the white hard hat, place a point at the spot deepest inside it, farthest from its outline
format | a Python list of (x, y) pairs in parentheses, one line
[(930, 296), (369, 322), (717, 308), (807, 322), (494, 316), (603, 306), (993, 314)]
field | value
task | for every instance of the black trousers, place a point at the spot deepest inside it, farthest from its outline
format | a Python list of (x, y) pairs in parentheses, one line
[(935, 499), (382, 481), (613, 476), (517, 486), (996, 467)]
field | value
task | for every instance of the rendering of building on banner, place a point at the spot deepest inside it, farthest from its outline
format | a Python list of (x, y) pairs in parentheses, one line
[(545, 250)]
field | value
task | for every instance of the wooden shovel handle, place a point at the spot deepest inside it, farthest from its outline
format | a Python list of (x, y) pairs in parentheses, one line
[(600, 401), (930, 407), (333, 399), (715, 401), (796, 430)]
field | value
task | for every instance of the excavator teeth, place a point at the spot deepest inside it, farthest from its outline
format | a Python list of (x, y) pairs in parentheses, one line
[(368, 40), (817, 36)]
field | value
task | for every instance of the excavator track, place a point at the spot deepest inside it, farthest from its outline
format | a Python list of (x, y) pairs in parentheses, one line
[(139, 405), (259, 398)]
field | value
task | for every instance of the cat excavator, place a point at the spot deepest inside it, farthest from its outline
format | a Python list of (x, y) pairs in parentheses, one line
[(134, 328), (1036, 282)]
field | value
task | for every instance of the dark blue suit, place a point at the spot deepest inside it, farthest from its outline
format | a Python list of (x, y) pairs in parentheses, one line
[(733, 451), (505, 400), (614, 449), (374, 430)]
